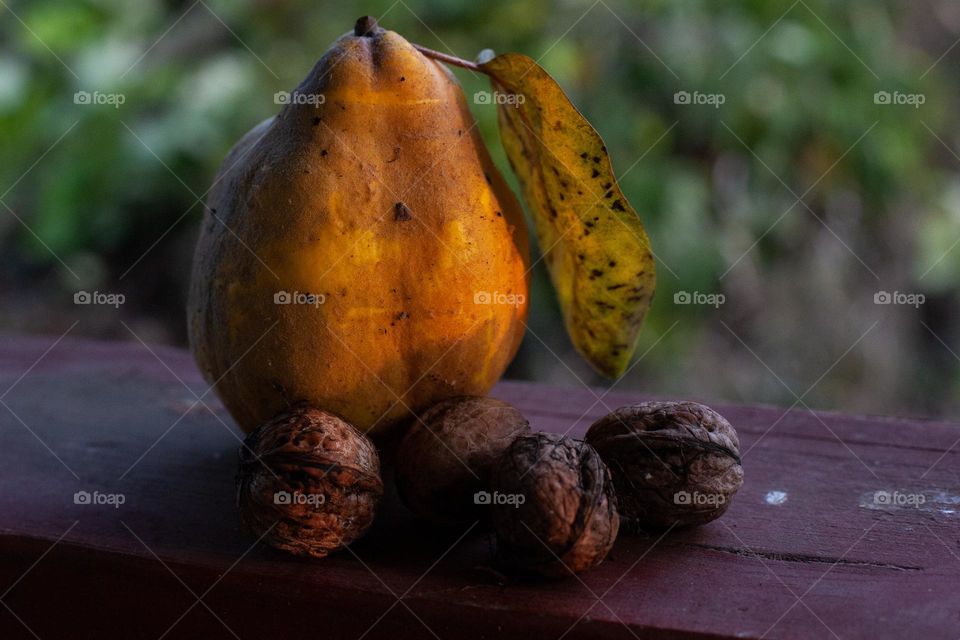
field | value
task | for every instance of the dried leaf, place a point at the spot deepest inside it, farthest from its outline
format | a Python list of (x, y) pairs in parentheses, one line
[(592, 240)]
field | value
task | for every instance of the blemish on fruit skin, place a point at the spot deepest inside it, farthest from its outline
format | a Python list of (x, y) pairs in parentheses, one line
[(323, 152), (594, 174), (617, 206), (316, 120), (401, 212)]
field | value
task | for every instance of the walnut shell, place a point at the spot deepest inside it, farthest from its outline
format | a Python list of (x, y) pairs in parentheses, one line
[(444, 460), (308, 482), (673, 463), (553, 505)]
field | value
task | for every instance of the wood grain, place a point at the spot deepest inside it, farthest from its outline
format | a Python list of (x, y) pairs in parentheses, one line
[(172, 559)]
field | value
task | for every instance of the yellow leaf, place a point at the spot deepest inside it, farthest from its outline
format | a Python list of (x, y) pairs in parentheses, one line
[(592, 240)]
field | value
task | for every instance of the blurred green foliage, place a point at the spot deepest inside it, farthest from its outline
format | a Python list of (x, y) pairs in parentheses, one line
[(798, 198)]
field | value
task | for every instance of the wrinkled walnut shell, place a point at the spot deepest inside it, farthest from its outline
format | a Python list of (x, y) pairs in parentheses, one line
[(308, 482), (673, 463), (553, 506), (444, 460)]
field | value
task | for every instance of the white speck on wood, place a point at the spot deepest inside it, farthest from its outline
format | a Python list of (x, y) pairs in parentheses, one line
[(776, 498)]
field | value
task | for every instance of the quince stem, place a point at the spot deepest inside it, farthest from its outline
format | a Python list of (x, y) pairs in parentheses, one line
[(454, 60)]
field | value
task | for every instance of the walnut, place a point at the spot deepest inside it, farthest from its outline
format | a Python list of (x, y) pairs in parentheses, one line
[(308, 482), (673, 463), (553, 505), (443, 463)]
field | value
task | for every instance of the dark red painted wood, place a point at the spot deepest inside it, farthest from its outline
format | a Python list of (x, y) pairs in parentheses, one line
[(114, 418)]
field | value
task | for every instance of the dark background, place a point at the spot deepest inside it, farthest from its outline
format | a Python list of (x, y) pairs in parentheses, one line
[(798, 199)]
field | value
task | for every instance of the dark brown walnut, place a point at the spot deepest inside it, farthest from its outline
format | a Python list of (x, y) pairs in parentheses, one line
[(308, 482), (673, 463), (553, 506), (444, 461)]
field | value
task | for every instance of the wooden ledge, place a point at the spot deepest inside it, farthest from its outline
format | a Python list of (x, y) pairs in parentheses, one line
[(804, 551)]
